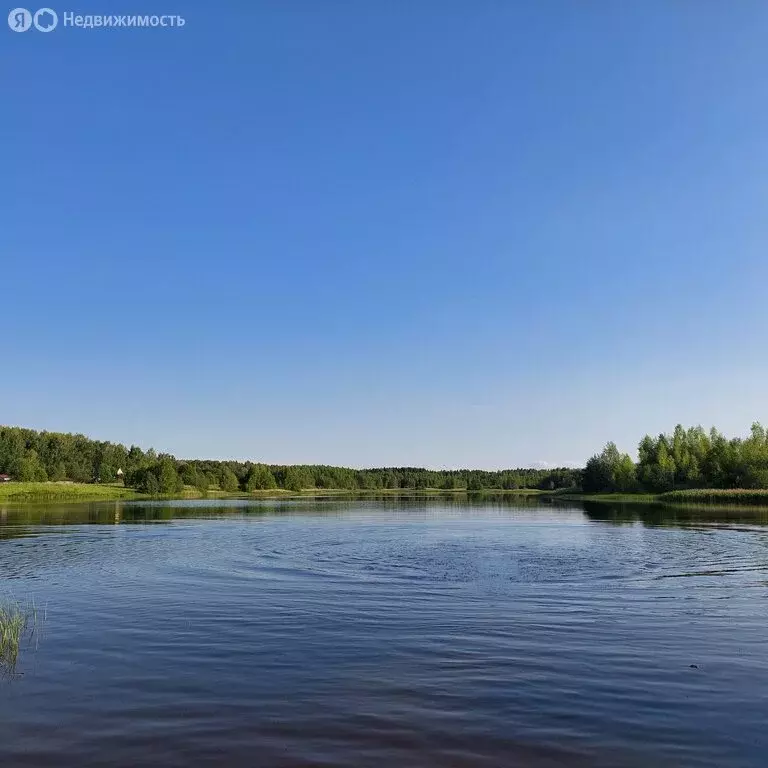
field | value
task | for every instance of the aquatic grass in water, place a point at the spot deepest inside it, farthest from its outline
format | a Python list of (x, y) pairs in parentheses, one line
[(757, 496), (18, 624)]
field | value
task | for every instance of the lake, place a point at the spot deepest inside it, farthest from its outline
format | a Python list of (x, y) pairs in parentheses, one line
[(393, 632)]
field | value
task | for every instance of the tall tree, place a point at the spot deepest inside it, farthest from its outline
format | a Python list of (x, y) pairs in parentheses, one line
[(30, 468), (260, 478)]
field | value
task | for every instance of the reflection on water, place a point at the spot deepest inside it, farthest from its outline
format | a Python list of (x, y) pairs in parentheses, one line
[(674, 514), (13, 518), (423, 631)]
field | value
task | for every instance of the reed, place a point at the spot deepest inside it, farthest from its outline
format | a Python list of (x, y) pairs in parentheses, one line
[(18, 623), (717, 496)]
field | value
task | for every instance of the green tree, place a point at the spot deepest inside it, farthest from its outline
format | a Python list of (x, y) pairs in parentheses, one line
[(624, 474), (200, 481), (58, 471), (228, 480), (609, 471), (297, 478), (475, 482), (168, 477), (151, 484), (107, 473), (260, 478), (30, 468)]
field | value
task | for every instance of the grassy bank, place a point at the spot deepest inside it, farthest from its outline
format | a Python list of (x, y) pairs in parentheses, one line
[(73, 492), (700, 496), (284, 493), (621, 498), (742, 496), (63, 492), (18, 492)]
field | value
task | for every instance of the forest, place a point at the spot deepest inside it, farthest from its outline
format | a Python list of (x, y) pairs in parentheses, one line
[(685, 459), (31, 456)]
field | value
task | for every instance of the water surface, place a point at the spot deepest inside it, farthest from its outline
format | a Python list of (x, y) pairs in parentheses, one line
[(380, 633)]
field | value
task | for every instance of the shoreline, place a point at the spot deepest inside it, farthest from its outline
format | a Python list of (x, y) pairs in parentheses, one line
[(21, 492), (63, 492)]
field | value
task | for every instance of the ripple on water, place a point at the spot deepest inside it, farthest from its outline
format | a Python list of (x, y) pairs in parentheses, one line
[(377, 636)]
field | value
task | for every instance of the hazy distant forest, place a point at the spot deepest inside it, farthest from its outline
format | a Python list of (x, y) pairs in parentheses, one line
[(27, 455), (687, 458)]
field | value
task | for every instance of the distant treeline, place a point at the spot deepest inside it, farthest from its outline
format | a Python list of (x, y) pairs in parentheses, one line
[(688, 458), (27, 455)]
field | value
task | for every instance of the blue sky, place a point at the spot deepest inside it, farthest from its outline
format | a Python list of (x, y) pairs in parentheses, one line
[(434, 233)]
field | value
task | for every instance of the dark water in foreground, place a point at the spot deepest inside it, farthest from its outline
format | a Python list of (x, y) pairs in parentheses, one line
[(394, 633)]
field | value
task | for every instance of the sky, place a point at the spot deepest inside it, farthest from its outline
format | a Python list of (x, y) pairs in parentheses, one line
[(442, 233)]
